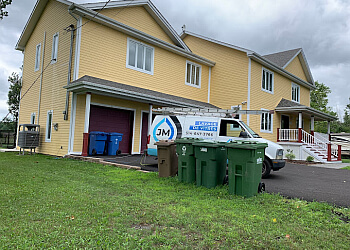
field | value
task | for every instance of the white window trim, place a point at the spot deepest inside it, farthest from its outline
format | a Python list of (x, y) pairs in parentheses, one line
[(136, 68), (32, 115), (200, 75), (295, 85), (53, 54), (273, 80), (37, 57), (47, 126), (261, 117)]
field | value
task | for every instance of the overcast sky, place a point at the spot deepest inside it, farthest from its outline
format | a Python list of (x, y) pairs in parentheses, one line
[(321, 28)]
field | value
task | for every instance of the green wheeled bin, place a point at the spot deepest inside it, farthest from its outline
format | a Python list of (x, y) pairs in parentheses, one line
[(245, 160), (211, 161), (167, 159), (186, 159)]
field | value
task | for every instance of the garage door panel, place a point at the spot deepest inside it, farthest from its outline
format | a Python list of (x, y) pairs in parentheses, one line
[(113, 120)]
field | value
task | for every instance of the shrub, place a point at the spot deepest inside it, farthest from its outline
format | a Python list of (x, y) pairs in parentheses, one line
[(290, 155), (309, 158)]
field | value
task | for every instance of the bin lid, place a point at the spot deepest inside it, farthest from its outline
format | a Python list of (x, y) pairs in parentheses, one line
[(188, 140), (98, 133), (246, 144), (115, 134), (164, 142), (210, 144)]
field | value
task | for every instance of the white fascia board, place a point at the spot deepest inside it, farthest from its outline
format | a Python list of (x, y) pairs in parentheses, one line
[(151, 9), (84, 12), (184, 33), (131, 95), (306, 67), (307, 109), (272, 66), (32, 21)]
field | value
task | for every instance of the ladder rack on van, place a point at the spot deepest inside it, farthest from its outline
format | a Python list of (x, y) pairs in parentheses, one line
[(228, 113)]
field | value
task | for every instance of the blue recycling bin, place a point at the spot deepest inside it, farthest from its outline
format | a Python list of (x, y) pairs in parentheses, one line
[(113, 143), (97, 142)]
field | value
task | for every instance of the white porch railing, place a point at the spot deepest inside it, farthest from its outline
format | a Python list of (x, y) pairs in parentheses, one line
[(320, 144), (288, 135)]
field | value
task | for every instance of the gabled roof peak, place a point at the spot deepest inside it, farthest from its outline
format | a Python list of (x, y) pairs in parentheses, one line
[(283, 58)]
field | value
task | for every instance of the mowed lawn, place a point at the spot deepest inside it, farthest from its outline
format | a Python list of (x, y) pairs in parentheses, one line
[(48, 202)]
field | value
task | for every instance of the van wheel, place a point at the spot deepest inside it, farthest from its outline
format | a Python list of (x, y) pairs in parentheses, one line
[(266, 168), (118, 152), (94, 152)]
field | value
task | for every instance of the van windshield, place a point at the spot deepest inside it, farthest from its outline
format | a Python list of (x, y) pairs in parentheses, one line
[(255, 135)]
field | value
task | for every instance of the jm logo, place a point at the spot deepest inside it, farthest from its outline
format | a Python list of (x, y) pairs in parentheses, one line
[(164, 129), (163, 132)]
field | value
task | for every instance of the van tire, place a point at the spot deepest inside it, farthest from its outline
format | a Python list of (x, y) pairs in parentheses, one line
[(266, 168)]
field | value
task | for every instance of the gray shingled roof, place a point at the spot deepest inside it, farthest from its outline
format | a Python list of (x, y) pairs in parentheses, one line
[(281, 58), (119, 90), (287, 103)]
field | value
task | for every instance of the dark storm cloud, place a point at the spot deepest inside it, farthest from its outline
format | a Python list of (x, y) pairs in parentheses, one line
[(321, 28)]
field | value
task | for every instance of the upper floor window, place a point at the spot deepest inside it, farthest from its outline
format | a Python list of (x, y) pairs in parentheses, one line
[(37, 57), (266, 122), (267, 81), (193, 74), (54, 48), (48, 126), (140, 57), (295, 92)]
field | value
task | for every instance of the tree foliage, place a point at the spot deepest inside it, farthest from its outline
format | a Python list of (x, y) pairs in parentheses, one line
[(14, 94), (319, 97), (3, 4)]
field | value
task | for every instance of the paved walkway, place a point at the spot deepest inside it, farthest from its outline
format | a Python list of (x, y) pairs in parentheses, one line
[(312, 182)]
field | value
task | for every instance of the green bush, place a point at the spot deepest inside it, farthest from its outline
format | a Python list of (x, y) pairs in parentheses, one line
[(309, 158), (290, 155)]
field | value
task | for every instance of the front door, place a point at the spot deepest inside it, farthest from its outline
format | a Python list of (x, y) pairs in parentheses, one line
[(284, 122)]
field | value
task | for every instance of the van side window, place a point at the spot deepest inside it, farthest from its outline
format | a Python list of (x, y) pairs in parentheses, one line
[(230, 128)]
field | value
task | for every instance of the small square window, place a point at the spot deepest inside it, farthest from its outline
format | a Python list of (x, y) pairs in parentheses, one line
[(193, 74), (267, 81)]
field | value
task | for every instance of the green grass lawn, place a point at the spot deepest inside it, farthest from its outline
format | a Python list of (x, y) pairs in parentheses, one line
[(345, 160), (47, 202)]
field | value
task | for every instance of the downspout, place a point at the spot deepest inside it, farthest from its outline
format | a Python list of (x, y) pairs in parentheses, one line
[(41, 77), (209, 80), (71, 29), (249, 87)]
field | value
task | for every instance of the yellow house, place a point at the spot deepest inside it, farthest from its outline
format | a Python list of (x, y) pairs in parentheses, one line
[(97, 67)]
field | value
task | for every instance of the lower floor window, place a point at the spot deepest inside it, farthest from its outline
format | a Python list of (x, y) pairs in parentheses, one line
[(48, 126), (266, 122)]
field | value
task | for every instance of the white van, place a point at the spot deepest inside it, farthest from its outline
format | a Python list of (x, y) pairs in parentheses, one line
[(166, 127)]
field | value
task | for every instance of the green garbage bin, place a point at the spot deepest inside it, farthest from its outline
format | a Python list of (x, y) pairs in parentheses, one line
[(245, 160), (211, 161), (186, 159), (167, 159)]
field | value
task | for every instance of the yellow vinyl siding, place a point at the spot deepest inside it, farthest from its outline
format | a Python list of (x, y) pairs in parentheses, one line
[(79, 123), (229, 76), (54, 19), (296, 69), (138, 18), (260, 99), (106, 58)]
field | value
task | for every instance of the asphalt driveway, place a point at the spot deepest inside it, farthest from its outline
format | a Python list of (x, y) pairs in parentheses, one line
[(311, 183)]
